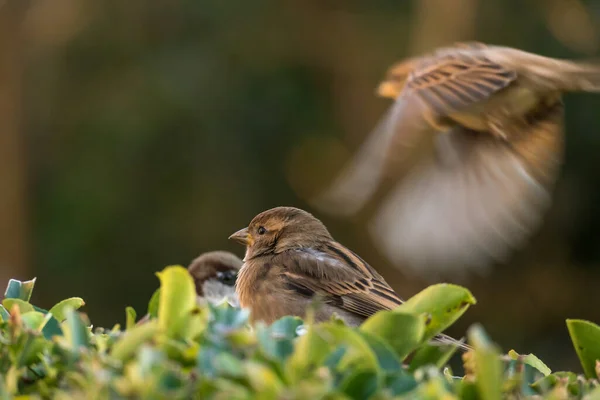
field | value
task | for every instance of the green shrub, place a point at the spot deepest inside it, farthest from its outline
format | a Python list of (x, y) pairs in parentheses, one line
[(186, 351)]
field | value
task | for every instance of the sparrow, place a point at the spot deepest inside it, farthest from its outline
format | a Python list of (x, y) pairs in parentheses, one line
[(477, 131), (214, 275), (291, 259)]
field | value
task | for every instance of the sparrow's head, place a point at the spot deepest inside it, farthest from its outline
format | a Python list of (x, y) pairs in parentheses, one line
[(280, 229), (215, 274), (394, 80)]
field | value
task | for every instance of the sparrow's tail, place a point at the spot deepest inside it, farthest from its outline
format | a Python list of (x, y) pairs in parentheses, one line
[(564, 75), (579, 77), (553, 73), (445, 339)]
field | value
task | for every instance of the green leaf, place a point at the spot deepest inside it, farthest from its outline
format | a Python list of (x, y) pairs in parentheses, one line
[(177, 300), (358, 350), (400, 383), (228, 365), (206, 361), (360, 384), (153, 304), (386, 356), (227, 318), (402, 331), (177, 350), (285, 327), (310, 351), (277, 339), (76, 331), (432, 388), (133, 339), (59, 309), (130, 316), (34, 320), (31, 350), (488, 365), (442, 303), (4, 315), (586, 340), (528, 376), (466, 390), (52, 328), (23, 305), (532, 361), (593, 394), (546, 383), (19, 290), (263, 380), (437, 354)]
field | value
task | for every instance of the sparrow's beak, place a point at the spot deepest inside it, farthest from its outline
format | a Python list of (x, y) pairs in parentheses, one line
[(243, 237), (387, 89)]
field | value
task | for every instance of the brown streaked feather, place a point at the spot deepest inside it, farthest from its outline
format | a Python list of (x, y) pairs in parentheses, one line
[(342, 279), (453, 81)]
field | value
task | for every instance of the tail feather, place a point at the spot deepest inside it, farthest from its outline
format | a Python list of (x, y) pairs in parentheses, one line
[(448, 340), (554, 73), (582, 77), (567, 76)]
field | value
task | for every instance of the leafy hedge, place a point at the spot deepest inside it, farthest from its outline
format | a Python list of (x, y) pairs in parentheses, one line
[(211, 353)]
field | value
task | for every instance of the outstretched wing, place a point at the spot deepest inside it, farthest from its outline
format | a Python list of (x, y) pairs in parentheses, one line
[(474, 201), (448, 81), (397, 132), (455, 78)]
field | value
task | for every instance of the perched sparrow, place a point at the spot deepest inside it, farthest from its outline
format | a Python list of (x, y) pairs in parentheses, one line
[(291, 258), (214, 275), (491, 120)]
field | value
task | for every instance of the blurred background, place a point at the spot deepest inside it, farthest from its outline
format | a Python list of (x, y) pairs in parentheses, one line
[(138, 134)]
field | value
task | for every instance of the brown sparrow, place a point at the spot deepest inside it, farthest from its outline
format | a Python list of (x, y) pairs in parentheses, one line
[(214, 276), (491, 119), (291, 258)]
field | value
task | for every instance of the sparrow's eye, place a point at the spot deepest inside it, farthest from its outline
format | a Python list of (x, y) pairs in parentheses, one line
[(227, 277), (261, 230)]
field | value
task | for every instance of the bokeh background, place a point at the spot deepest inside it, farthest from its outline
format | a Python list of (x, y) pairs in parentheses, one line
[(138, 134)]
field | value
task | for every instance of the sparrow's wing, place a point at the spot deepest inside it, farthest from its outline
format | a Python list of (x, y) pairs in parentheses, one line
[(455, 79), (340, 277), (344, 280), (439, 85), (399, 130), (478, 198)]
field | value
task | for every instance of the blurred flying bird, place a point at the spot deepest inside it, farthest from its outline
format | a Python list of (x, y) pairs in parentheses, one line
[(291, 259), (489, 120)]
